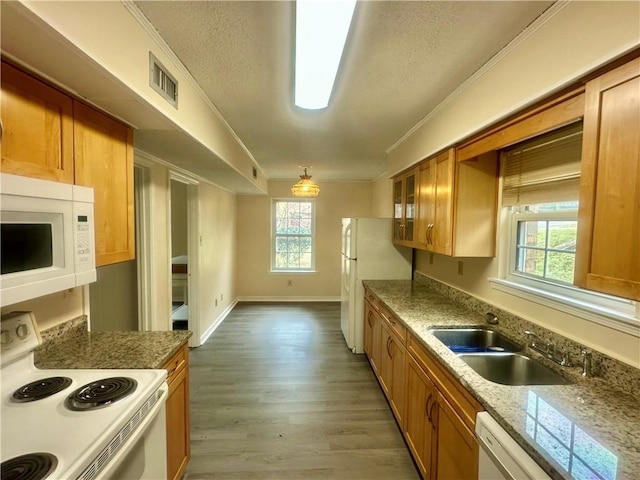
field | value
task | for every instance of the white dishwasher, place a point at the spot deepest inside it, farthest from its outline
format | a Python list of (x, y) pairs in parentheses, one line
[(501, 458)]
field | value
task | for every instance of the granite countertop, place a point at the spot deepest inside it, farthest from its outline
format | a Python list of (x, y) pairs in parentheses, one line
[(128, 350), (572, 430)]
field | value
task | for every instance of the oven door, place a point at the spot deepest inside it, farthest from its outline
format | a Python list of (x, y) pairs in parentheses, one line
[(144, 454)]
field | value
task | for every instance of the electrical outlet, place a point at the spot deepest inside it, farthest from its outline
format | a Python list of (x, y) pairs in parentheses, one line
[(221, 297), (290, 283), (216, 302), (460, 270), (431, 259)]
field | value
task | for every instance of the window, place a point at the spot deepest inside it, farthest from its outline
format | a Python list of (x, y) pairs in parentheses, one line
[(545, 241), (540, 179), (292, 239)]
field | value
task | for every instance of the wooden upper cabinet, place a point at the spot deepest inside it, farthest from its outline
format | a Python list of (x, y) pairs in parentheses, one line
[(608, 248), (405, 198), (475, 209), (435, 209), (104, 161), (457, 209), (37, 128)]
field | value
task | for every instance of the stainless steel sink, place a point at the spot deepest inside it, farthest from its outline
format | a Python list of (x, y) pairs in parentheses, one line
[(474, 340), (512, 369)]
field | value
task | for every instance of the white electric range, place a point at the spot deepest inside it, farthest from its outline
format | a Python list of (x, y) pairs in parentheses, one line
[(77, 424)]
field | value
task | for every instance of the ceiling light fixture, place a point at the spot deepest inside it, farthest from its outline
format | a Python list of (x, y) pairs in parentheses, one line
[(321, 32), (305, 187)]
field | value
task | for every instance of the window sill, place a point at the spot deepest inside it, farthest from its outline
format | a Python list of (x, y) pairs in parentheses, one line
[(293, 272), (593, 313)]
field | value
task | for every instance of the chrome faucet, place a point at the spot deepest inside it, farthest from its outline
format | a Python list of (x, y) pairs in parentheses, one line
[(532, 343), (548, 350)]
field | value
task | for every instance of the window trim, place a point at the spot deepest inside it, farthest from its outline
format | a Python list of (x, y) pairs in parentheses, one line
[(619, 314), (301, 271)]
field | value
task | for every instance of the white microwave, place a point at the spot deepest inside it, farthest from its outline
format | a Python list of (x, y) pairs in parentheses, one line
[(47, 237)]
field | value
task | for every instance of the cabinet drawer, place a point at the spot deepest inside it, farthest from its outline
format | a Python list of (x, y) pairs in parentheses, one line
[(464, 404), (396, 325), (373, 300), (176, 364)]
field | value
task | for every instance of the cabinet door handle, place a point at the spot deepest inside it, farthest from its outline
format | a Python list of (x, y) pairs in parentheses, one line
[(388, 346), (369, 319), (432, 419), (426, 408)]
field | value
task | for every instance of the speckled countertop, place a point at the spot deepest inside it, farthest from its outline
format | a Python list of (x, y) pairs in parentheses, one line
[(77, 348), (572, 430)]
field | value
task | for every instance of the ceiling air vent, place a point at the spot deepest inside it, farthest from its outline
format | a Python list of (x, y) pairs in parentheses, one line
[(162, 81)]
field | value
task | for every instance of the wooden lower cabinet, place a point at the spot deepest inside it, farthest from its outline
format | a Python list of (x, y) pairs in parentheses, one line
[(372, 335), (392, 367), (457, 447), (450, 412), (420, 406), (434, 411), (178, 419)]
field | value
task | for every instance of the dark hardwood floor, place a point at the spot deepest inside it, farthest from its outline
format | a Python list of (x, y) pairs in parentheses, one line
[(276, 394)]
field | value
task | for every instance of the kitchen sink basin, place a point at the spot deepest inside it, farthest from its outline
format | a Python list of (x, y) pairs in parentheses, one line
[(512, 369), (474, 340)]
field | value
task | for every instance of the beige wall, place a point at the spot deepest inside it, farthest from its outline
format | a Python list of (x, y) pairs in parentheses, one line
[(254, 281), (54, 309), (217, 219), (382, 197)]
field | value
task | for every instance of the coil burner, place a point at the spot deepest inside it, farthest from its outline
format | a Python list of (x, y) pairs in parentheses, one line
[(101, 393), (40, 389), (32, 466)]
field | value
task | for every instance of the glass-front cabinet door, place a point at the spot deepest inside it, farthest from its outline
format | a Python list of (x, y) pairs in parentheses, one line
[(404, 207), (410, 207), (397, 209)]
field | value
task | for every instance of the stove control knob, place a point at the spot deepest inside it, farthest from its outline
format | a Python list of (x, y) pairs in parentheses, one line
[(5, 337), (22, 331)]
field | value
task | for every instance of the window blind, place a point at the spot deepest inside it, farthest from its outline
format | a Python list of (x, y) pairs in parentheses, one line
[(543, 169)]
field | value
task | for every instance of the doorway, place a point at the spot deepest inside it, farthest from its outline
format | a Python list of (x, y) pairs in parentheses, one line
[(154, 250), (179, 256), (184, 240)]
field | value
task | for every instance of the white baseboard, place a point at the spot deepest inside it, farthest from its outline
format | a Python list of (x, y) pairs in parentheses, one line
[(288, 299), (205, 336)]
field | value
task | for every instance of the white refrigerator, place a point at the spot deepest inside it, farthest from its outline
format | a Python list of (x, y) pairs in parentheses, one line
[(367, 254)]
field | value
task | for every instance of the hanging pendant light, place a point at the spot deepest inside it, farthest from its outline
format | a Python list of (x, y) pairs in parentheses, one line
[(305, 187)]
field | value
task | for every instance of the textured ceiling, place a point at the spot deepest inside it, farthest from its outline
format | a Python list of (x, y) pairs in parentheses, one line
[(402, 59)]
